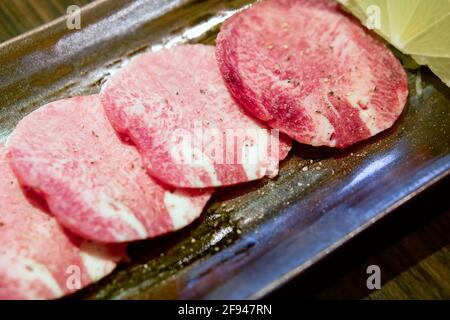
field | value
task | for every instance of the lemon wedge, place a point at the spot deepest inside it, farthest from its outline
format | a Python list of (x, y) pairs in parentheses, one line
[(420, 28)]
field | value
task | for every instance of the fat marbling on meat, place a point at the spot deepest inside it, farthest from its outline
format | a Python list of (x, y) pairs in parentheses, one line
[(174, 106), (38, 258), (95, 183), (311, 71)]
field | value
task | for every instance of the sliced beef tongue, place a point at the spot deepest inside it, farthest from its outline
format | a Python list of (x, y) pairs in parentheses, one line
[(38, 258), (174, 106), (313, 72), (94, 183)]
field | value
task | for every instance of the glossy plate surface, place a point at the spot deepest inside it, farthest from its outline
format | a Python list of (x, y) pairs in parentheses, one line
[(254, 237)]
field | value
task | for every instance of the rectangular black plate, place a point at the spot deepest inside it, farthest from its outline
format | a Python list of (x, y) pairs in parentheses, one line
[(251, 238)]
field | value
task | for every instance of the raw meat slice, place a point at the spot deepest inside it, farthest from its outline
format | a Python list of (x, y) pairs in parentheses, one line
[(38, 258), (175, 107), (94, 183), (309, 70)]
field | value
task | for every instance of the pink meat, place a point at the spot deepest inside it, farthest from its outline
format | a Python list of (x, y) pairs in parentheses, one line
[(311, 71), (38, 259), (94, 183), (174, 106)]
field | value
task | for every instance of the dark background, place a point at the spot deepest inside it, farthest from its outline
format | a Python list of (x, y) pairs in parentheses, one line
[(411, 246)]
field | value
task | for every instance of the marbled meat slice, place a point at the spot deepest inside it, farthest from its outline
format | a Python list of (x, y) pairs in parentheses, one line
[(174, 106), (94, 183), (312, 71), (38, 258)]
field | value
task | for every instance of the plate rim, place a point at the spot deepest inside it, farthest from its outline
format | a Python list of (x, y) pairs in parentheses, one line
[(294, 272)]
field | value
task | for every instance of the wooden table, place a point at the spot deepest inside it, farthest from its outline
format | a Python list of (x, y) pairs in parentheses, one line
[(411, 247)]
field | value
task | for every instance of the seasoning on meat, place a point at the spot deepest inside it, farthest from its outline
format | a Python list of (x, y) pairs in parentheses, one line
[(174, 106), (38, 258), (95, 184), (311, 71)]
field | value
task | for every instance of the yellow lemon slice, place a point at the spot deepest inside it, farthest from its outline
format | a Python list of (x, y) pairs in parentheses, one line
[(420, 28)]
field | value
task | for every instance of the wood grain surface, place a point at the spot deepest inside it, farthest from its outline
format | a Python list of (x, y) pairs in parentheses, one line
[(19, 16), (411, 247)]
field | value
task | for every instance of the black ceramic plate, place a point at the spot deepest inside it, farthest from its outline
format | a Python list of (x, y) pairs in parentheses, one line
[(251, 238)]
